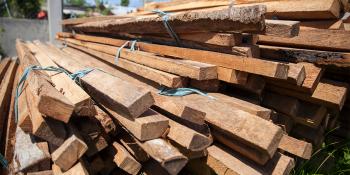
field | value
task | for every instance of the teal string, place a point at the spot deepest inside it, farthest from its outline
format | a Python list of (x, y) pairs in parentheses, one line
[(179, 92), (132, 48), (3, 161), (171, 32), (74, 76)]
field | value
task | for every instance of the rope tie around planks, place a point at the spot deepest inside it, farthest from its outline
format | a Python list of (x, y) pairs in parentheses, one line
[(3, 161), (132, 48), (179, 92), (171, 32), (19, 89)]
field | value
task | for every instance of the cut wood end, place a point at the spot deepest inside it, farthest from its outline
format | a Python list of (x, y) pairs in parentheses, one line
[(175, 165), (282, 71), (200, 142)]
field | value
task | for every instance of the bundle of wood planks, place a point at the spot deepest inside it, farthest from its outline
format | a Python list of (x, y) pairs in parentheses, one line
[(226, 91)]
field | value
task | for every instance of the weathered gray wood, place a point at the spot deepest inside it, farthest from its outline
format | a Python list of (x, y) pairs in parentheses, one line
[(238, 19)]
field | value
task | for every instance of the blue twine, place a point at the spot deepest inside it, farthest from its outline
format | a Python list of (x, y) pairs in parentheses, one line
[(132, 48), (74, 76), (3, 161), (179, 92), (165, 17)]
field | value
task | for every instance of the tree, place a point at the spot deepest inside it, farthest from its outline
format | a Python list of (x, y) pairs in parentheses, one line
[(124, 3), (22, 9), (75, 2)]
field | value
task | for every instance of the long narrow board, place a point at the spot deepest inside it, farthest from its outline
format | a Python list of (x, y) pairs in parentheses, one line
[(317, 39), (238, 19), (265, 68), (48, 100), (105, 88), (81, 100)]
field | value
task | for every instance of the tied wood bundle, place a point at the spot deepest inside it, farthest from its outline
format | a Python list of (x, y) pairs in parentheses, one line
[(216, 101)]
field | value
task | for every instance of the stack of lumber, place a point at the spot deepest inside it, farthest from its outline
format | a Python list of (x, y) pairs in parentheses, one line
[(269, 91)]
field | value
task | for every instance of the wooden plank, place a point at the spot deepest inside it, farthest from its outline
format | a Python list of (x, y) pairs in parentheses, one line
[(6, 86), (78, 168), (91, 133), (266, 68), (310, 114), (105, 88), (163, 78), (185, 68), (167, 155), (206, 85), (281, 103), (106, 121), (302, 9), (149, 125), (187, 137), (76, 21), (11, 123), (69, 152), (224, 161), (313, 75), (329, 93), (174, 106), (133, 146), (81, 100), (125, 161), (232, 76), (45, 128), (251, 108), (339, 59), (231, 19), (296, 147), (316, 39), (219, 39), (323, 24), (27, 154), (256, 145), (282, 28), (4, 63), (47, 99)]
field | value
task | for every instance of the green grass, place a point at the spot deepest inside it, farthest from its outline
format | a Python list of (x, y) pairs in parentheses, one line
[(333, 159)]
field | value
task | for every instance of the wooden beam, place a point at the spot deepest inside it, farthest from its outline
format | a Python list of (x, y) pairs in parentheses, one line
[(106, 121), (224, 161), (106, 88), (167, 155), (46, 98), (187, 137), (3, 66), (174, 106), (69, 152), (231, 19), (302, 9), (78, 168), (125, 161), (76, 21), (45, 128), (317, 39), (163, 78), (296, 147), (282, 28), (133, 146), (281, 103), (313, 75), (149, 125), (232, 76), (251, 108), (206, 85), (259, 147), (266, 68), (328, 93), (185, 68), (6, 86), (11, 123), (83, 104)]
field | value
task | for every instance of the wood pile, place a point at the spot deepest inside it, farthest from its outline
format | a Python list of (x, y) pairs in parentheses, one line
[(261, 88)]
